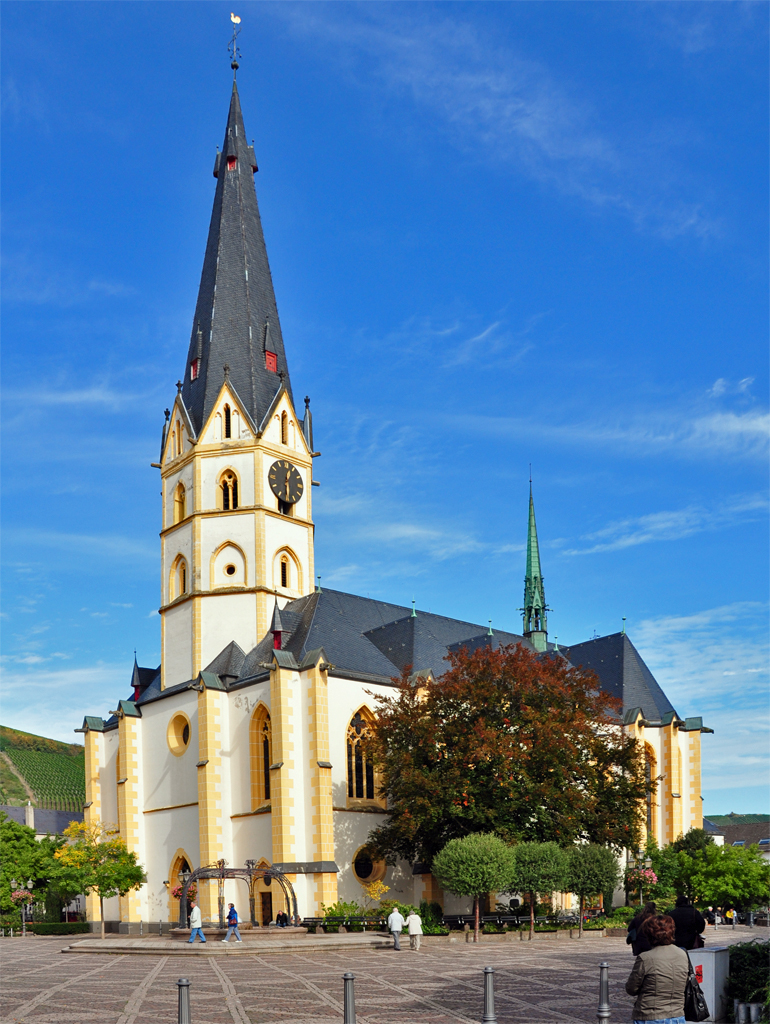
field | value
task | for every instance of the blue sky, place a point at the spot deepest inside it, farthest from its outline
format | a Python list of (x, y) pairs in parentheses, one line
[(500, 234)]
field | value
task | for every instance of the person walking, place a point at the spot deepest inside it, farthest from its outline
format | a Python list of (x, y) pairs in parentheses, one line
[(395, 924), (414, 927), (659, 976), (689, 922), (196, 923), (232, 925), (636, 937)]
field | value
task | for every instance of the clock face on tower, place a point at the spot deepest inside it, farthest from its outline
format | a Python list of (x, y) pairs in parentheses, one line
[(285, 481)]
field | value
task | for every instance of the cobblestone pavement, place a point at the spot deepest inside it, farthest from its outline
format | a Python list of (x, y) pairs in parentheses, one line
[(439, 985)]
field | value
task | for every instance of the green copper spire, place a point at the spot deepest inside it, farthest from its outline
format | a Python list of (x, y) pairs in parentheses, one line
[(535, 608)]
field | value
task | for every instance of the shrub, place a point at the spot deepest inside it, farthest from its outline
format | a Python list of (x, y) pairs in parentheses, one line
[(60, 928), (342, 909), (749, 978)]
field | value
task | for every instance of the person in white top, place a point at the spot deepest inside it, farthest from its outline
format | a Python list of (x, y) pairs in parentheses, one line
[(395, 923), (196, 923), (414, 926)]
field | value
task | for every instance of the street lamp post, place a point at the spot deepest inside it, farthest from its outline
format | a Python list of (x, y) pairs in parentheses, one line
[(23, 908), (183, 877)]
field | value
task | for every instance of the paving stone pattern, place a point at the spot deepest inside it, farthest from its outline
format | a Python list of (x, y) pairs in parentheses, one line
[(438, 985)]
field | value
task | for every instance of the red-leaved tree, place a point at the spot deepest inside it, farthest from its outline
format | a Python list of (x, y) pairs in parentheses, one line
[(510, 742)]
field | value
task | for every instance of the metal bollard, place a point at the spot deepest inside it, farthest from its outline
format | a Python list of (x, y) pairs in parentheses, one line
[(183, 1015), (349, 999), (489, 997), (603, 1013)]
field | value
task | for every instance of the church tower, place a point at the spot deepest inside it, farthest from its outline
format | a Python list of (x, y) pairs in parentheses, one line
[(535, 608), (236, 459)]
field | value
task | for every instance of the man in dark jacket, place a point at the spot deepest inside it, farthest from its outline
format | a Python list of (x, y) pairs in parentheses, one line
[(689, 923)]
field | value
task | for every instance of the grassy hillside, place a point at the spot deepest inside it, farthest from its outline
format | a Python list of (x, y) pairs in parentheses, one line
[(54, 771)]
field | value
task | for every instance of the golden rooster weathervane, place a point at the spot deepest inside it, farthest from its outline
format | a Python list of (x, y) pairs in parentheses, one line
[(232, 47)]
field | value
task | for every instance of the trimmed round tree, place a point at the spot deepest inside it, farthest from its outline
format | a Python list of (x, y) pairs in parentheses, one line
[(537, 868), (477, 864), (591, 869)]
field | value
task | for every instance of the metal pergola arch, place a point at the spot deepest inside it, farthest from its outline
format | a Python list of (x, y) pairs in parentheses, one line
[(249, 874)]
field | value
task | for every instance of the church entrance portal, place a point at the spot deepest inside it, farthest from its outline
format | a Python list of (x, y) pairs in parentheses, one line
[(267, 908)]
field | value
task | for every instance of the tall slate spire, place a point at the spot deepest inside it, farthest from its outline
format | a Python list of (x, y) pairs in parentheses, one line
[(236, 318), (535, 608)]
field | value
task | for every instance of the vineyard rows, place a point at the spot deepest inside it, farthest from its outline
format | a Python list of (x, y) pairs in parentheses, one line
[(57, 780)]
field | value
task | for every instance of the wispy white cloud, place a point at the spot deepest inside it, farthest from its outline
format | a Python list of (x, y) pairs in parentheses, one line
[(721, 386), (498, 104), (690, 434), (116, 547), (714, 663), (98, 394), (673, 524), (41, 701)]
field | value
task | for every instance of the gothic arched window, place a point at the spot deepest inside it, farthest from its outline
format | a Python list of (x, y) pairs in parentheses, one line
[(284, 428), (228, 421), (180, 503), (228, 486), (360, 767), (261, 751)]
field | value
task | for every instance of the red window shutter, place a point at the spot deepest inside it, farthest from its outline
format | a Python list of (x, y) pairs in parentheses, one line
[(194, 368), (271, 362), (231, 162)]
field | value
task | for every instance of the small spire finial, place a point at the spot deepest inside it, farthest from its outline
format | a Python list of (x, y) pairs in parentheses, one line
[(414, 613), (232, 46), (167, 413), (178, 386), (307, 401), (226, 368), (624, 625), (281, 376)]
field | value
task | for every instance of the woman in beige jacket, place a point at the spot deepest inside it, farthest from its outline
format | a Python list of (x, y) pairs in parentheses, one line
[(659, 976)]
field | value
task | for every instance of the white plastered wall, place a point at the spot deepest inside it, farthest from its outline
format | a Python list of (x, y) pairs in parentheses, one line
[(177, 645)]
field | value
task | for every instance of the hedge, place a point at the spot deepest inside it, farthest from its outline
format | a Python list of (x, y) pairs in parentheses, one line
[(59, 928)]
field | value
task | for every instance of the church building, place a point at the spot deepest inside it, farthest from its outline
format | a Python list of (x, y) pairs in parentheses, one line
[(245, 743)]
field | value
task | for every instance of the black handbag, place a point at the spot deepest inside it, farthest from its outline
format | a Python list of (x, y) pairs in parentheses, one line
[(695, 1005)]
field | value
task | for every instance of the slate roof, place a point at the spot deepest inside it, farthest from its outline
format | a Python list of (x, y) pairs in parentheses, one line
[(53, 822), (745, 833), (371, 640), (623, 674), (236, 300)]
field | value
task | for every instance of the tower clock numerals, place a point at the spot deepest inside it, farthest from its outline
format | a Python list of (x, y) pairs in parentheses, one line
[(285, 481)]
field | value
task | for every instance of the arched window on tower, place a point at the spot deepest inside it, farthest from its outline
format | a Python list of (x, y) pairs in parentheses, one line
[(178, 583), (284, 428), (180, 503), (228, 421), (361, 774), (228, 491), (285, 575), (261, 752)]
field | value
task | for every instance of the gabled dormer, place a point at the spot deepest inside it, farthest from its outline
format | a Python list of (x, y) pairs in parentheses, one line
[(229, 421), (178, 433)]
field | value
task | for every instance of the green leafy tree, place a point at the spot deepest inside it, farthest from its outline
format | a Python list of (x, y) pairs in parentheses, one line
[(721, 875), (507, 742), (96, 859), (22, 857), (591, 869), (693, 841), (473, 866), (538, 868)]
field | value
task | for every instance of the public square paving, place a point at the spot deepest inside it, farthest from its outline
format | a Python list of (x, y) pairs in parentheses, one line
[(538, 982)]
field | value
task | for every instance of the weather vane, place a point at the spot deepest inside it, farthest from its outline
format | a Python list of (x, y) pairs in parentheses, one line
[(232, 47)]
